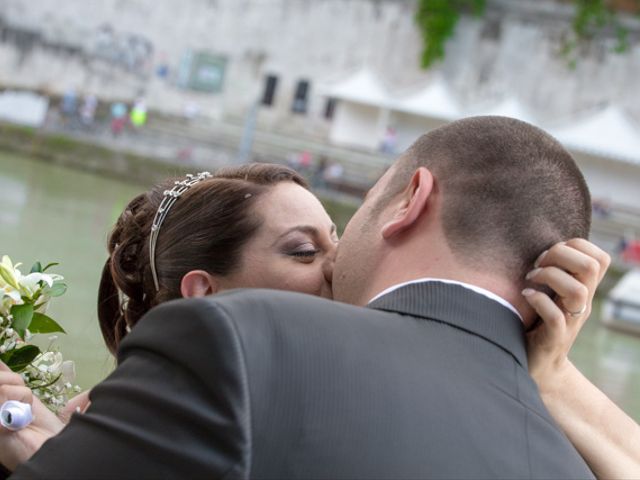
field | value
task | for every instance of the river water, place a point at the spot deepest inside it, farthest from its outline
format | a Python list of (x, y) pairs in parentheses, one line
[(50, 213)]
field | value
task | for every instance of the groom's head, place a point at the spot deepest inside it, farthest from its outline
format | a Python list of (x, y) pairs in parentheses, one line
[(479, 197)]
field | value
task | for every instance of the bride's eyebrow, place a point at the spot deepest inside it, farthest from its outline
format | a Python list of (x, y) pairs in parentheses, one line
[(308, 229)]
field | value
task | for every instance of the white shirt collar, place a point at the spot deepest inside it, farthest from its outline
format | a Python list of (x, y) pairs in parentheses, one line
[(475, 288)]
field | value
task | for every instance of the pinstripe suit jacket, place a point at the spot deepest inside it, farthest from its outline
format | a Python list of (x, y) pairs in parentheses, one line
[(429, 382)]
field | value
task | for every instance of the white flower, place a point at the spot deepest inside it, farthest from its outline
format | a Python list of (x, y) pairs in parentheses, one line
[(68, 371), (48, 375), (8, 273), (9, 297), (56, 367), (12, 280), (12, 293), (49, 362), (30, 282)]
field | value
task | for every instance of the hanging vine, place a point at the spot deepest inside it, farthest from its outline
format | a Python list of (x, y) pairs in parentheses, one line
[(594, 18), (437, 20)]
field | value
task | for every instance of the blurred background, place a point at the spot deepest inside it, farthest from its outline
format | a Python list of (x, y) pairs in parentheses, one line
[(100, 99)]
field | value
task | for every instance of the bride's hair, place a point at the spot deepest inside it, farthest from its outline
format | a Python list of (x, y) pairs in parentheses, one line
[(205, 229)]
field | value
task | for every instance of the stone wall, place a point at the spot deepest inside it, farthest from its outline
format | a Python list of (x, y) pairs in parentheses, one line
[(127, 48)]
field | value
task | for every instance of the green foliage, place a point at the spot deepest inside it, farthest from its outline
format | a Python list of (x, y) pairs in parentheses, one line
[(40, 323), (37, 268), (49, 265), (590, 15), (20, 358), (437, 20), (23, 298), (596, 16), (622, 36), (22, 315), (57, 289)]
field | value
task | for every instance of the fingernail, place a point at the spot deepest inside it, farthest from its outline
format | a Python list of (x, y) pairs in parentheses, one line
[(539, 259), (527, 292), (532, 273)]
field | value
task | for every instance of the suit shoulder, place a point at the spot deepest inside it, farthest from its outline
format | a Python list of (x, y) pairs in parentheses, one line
[(279, 302), (178, 325)]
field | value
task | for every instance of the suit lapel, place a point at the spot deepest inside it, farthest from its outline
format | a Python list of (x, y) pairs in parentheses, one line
[(461, 308)]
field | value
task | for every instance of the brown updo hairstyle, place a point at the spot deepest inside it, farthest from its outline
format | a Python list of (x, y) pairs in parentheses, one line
[(205, 229)]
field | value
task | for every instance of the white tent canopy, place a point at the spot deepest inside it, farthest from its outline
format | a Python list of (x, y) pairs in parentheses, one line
[(363, 87), (433, 101), (608, 133), (366, 106), (24, 108)]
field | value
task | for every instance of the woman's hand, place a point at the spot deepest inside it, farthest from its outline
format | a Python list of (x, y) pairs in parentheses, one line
[(606, 437), (17, 447), (77, 404), (573, 270)]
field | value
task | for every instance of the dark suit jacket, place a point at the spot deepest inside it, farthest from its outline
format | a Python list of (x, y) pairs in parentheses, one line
[(430, 382)]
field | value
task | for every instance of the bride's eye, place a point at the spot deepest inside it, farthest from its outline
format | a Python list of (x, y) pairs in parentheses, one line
[(304, 253), (307, 250)]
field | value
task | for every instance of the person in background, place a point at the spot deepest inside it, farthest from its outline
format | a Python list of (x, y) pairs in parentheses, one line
[(118, 118), (389, 141), (69, 107), (138, 116), (88, 110)]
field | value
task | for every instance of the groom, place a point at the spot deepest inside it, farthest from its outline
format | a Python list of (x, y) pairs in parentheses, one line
[(429, 381)]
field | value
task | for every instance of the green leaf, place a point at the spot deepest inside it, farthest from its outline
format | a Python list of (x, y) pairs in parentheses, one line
[(37, 268), (57, 289), (49, 266), (21, 358), (43, 324), (22, 315)]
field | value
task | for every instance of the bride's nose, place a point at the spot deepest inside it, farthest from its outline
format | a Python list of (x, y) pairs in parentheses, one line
[(327, 267)]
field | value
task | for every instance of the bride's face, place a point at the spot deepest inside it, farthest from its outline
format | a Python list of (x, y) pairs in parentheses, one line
[(294, 248)]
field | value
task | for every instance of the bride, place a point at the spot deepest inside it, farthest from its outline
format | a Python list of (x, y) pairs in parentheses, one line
[(259, 226)]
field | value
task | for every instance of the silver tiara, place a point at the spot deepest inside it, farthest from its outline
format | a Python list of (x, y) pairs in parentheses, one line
[(170, 197)]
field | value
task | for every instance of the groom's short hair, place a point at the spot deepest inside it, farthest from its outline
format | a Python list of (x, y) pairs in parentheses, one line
[(509, 189)]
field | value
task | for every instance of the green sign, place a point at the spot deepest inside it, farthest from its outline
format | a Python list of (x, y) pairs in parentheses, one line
[(202, 71)]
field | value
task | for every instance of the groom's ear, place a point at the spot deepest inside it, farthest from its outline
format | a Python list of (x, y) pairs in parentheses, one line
[(412, 204), (198, 283)]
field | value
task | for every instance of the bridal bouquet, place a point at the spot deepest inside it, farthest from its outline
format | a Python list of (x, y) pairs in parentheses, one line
[(23, 303)]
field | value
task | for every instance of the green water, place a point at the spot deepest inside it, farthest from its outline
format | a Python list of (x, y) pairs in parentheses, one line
[(55, 214), (49, 213)]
